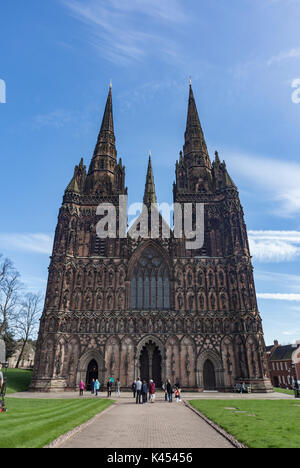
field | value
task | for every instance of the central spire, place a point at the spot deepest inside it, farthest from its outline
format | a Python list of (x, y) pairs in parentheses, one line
[(195, 149), (106, 140), (150, 193), (108, 121)]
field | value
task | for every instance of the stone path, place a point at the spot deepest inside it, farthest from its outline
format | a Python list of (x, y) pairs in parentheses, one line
[(158, 425)]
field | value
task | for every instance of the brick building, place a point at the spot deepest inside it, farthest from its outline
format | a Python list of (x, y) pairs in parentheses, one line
[(284, 364)]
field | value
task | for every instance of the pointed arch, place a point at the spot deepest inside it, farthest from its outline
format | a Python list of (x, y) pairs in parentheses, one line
[(84, 361), (216, 364)]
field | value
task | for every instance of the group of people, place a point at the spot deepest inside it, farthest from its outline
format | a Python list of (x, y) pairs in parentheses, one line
[(95, 386), (171, 390), (142, 393)]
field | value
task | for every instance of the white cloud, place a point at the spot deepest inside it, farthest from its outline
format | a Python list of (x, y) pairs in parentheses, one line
[(38, 243), (280, 281), (58, 119), (34, 284), (284, 56), (120, 29), (279, 297), (277, 180), (274, 246)]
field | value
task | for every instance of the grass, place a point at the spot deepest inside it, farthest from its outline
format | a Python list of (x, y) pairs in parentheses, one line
[(31, 423), (283, 390), (17, 380), (265, 423)]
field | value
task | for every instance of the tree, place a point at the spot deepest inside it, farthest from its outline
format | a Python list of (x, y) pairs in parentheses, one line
[(10, 344), (9, 293), (27, 320)]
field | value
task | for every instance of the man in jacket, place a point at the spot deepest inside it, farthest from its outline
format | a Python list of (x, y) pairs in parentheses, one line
[(138, 391), (170, 391)]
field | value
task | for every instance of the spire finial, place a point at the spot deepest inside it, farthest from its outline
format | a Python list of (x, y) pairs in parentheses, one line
[(110, 84), (190, 80)]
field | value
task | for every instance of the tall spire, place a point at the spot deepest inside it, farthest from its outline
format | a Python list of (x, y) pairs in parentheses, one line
[(150, 193), (105, 154), (104, 166), (108, 121), (195, 149)]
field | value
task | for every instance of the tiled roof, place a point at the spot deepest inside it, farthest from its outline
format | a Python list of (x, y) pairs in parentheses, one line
[(283, 352)]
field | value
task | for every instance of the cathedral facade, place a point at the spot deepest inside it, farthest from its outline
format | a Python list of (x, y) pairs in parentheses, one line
[(151, 307)]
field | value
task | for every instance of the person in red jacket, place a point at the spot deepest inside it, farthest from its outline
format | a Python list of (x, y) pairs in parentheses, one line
[(152, 391)]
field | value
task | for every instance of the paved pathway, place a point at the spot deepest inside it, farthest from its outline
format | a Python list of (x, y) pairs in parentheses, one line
[(187, 396), (158, 425)]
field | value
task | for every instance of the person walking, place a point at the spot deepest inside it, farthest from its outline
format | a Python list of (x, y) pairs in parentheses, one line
[(1, 378), (96, 387), (118, 388), (2, 386), (164, 387), (133, 388), (144, 392), (138, 391), (109, 388), (81, 388), (170, 391), (152, 391), (93, 386)]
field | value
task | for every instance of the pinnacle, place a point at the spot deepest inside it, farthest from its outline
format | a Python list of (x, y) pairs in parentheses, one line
[(150, 193)]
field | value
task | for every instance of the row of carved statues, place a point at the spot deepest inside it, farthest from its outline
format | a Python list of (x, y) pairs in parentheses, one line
[(151, 325)]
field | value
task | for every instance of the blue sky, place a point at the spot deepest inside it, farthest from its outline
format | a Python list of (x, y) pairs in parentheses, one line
[(57, 58)]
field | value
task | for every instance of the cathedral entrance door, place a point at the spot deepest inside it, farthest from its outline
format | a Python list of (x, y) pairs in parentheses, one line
[(209, 376), (150, 364), (92, 373)]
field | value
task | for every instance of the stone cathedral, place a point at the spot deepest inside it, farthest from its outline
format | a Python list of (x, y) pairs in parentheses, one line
[(127, 308)]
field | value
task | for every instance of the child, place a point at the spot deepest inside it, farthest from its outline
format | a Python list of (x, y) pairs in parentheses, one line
[(177, 395)]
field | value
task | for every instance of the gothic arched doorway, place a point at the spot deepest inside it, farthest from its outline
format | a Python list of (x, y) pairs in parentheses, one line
[(209, 376), (92, 373), (151, 364)]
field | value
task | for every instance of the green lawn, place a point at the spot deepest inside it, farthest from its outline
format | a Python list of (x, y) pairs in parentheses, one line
[(17, 380), (31, 423), (283, 390), (265, 423)]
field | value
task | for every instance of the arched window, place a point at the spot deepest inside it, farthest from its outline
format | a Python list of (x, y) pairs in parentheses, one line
[(150, 283)]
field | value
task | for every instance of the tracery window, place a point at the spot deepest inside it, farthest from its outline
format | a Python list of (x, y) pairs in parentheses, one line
[(150, 283)]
